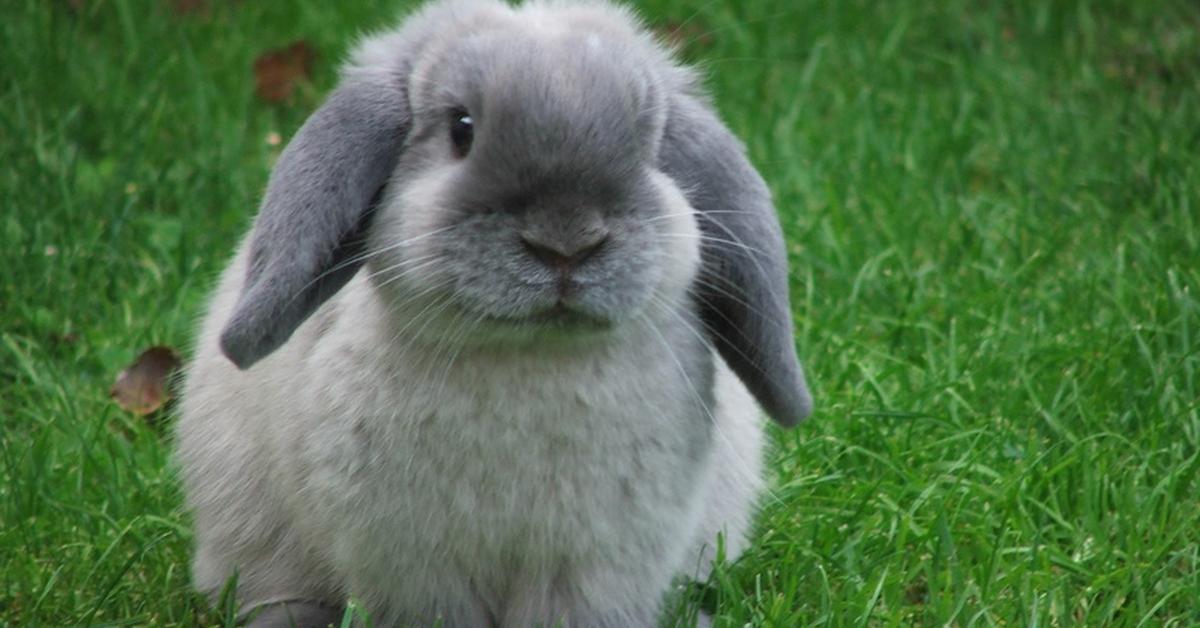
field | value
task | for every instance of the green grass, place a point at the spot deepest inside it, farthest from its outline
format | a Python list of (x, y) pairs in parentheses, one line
[(992, 214)]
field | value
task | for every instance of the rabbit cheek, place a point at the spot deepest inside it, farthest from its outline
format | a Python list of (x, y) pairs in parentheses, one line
[(677, 236), (410, 232), (654, 256)]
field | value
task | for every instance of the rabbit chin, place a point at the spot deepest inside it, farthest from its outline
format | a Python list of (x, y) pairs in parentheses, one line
[(567, 323), (553, 327)]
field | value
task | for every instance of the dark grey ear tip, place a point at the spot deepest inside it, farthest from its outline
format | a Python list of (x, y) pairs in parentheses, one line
[(804, 408), (792, 412), (242, 352)]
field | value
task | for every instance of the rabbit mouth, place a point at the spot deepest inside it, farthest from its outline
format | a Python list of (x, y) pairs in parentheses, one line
[(558, 315)]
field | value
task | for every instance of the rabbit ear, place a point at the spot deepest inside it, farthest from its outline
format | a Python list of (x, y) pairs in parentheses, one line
[(309, 235), (743, 283)]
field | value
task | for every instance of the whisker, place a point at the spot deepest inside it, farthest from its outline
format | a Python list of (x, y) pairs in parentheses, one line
[(743, 465), (735, 237), (411, 263), (465, 330), (722, 337), (444, 304), (703, 281), (701, 217), (407, 272), (368, 255), (708, 238), (417, 238), (737, 242), (437, 305), (698, 213)]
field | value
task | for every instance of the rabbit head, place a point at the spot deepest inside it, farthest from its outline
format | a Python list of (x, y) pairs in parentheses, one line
[(544, 175), (527, 200)]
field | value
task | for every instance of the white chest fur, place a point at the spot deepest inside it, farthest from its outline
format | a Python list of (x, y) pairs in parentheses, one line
[(501, 490), (504, 469)]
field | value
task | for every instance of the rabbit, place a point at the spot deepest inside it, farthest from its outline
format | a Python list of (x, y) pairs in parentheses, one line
[(498, 346)]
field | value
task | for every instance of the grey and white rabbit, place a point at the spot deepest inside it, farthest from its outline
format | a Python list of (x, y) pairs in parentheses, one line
[(495, 350)]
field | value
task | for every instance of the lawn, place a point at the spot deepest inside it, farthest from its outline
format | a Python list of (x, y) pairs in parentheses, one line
[(993, 215)]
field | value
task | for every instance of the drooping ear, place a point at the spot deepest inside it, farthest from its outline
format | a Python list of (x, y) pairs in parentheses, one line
[(743, 284), (309, 236)]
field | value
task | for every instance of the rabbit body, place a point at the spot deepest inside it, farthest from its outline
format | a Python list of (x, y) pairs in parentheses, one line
[(504, 489), (495, 350)]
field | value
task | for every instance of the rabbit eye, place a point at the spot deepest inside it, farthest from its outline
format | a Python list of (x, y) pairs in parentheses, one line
[(462, 131)]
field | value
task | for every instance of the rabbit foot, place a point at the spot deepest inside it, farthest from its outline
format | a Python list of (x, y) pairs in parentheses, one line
[(297, 614)]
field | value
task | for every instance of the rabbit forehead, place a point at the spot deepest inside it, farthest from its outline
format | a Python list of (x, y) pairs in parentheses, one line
[(563, 102), (549, 108), (564, 71)]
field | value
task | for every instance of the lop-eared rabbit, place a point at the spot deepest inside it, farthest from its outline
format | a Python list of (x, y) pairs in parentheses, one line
[(497, 349)]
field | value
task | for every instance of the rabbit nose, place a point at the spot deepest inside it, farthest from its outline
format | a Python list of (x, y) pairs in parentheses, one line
[(564, 254)]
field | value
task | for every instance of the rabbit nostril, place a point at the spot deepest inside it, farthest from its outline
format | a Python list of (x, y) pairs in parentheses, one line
[(545, 254), (588, 249), (563, 256)]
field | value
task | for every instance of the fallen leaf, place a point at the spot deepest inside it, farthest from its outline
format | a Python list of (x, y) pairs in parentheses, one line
[(685, 34), (143, 387), (189, 7), (278, 71), (917, 592)]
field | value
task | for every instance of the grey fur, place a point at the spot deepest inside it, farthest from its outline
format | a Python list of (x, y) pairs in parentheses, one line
[(744, 283), (312, 223), (444, 422), (297, 615)]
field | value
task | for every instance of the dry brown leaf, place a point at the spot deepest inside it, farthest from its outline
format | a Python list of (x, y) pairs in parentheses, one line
[(189, 7), (278, 71), (682, 35), (143, 387)]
